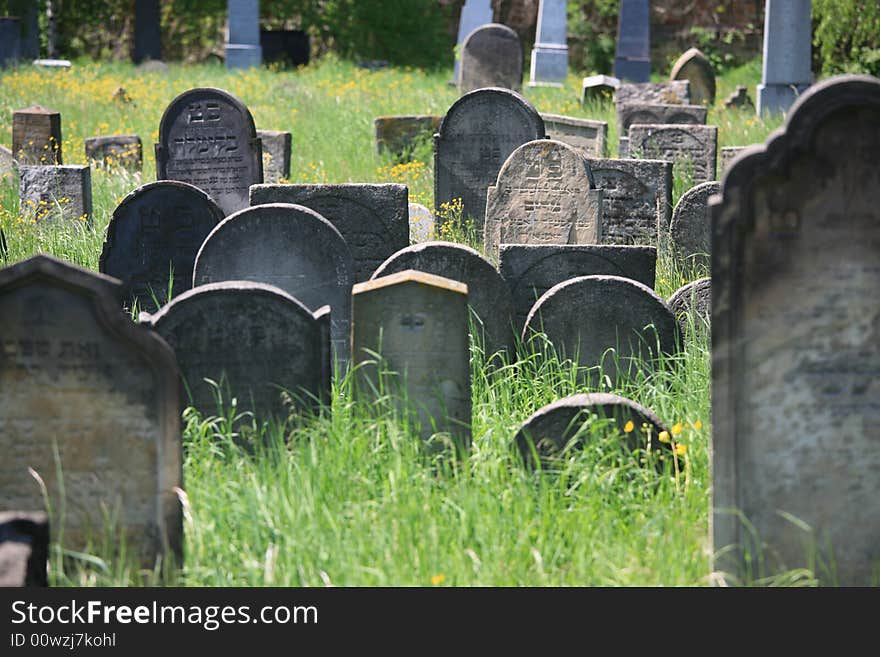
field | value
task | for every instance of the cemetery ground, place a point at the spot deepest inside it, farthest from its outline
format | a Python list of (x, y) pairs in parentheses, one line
[(350, 497)]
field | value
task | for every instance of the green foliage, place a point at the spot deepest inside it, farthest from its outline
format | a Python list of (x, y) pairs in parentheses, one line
[(592, 32), (847, 35)]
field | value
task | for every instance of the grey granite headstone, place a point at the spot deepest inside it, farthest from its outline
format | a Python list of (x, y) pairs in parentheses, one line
[(585, 134), (24, 549), (291, 247), (795, 349), (786, 62), (36, 136), (242, 46), (694, 67), (545, 194), (153, 237), (418, 324), (692, 303), (421, 223), (124, 151), (691, 226), (90, 396), (10, 40), (43, 191), (632, 60), (728, 154), (739, 98), (474, 14), (399, 135), (491, 56), (693, 149), (598, 88), (550, 52), (488, 294), (676, 92), (636, 199), (207, 138), (372, 218), (276, 146), (475, 138), (631, 113), (530, 270), (147, 31), (259, 344), (606, 321)]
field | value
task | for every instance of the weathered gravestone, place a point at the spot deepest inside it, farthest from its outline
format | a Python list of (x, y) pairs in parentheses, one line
[(728, 154), (30, 31), (598, 88), (8, 165), (488, 294), (259, 344), (24, 549), (691, 226), (632, 113), (694, 67), (474, 14), (545, 194), (207, 138), (418, 324), (147, 31), (530, 270), (632, 60), (693, 149), (550, 52), (739, 98), (276, 146), (584, 134), (153, 238), (476, 136), (551, 429), (36, 136), (421, 223), (586, 317), (291, 247), (786, 60), (124, 151), (399, 135), (692, 303), (242, 46), (636, 199), (491, 56), (372, 218), (795, 355), (10, 40), (676, 92), (66, 188), (92, 398)]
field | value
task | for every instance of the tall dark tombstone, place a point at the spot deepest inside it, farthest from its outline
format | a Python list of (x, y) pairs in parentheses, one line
[(633, 59), (147, 31), (30, 31), (207, 138), (10, 40), (795, 349)]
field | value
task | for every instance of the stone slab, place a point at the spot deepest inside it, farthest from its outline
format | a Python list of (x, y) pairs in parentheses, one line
[(693, 149)]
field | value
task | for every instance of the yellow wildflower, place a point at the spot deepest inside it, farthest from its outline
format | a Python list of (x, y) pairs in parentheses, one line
[(676, 428), (681, 449), (663, 437), (629, 427), (436, 580)]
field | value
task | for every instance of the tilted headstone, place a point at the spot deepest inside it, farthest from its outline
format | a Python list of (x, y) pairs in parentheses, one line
[(124, 151), (785, 69), (153, 238), (36, 136), (242, 46), (24, 548), (728, 154), (530, 270), (8, 165), (399, 135), (632, 60), (207, 138), (550, 52), (632, 113), (418, 324), (739, 98), (548, 431), (585, 134), (795, 355), (10, 40), (691, 226), (598, 88), (692, 303), (491, 56), (693, 149), (291, 247), (488, 294), (89, 396), (694, 67), (475, 138), (147, 31), (421, 223), (474, 14), (276, 146), (676, 92), (259, 344), (545, 194), (585, 317), (66, 188), (372, 218), (636, 199)]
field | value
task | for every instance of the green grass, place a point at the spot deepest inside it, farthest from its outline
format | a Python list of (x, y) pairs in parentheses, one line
[(350, 497)]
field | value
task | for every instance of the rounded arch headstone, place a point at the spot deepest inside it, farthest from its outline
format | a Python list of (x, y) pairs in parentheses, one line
[(491, 56), (694, 66), (694, 298), (690, 228)]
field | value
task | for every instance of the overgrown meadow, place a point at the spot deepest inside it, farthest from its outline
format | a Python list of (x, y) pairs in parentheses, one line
[(350, 496)]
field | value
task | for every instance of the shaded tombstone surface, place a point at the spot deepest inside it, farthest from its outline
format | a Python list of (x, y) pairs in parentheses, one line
[(207, 138), (632, 58), (530, 270), (584, 317), (153, 238), (475, 138), (585, 134), (399, 135), (548, 431), (259, 344), (372, 218), (631, 113), (276, 145), (24, 548), (544, 194), (421, 223), (692, 299), (728, 154), (36, 136), (693, 149), (677, 92), (67, 188), (418, 323), (488, 294), (291, 247), (739, 98), (77, 376), (491, 56), (598, 88), (795, 349), (694, 67), (691, 226), (636, 199), (124, 151)]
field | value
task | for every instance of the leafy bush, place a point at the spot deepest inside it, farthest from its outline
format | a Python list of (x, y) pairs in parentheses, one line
[(847, 35), (592, 34)]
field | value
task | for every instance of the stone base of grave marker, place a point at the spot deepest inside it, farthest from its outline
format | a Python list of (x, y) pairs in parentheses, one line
[(66, 188), (243, 56), (778, 97), (24, 549), (549, 66)]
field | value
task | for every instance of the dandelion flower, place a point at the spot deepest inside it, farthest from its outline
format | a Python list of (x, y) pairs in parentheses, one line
[(436, 580), (629, 427), (681, 449), (663, 437), (698, 425), (676, 428)]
